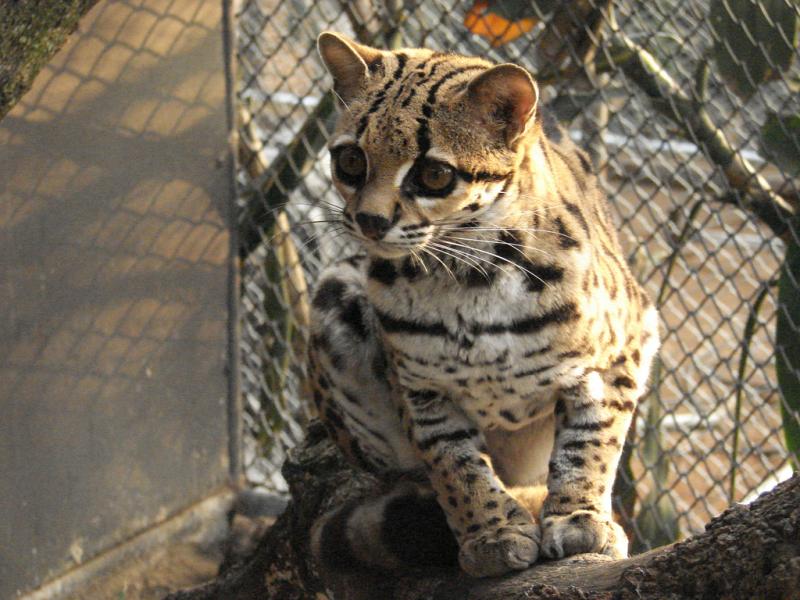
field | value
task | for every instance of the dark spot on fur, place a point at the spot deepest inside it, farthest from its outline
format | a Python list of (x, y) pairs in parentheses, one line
[(479, 278), (353, 317), (329, 294), (509, 416), (565, 237), (383, 271), (415, 531), (624, 382), (410, 270)]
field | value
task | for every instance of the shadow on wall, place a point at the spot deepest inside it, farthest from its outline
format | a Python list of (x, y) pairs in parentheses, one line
[(115, 258)]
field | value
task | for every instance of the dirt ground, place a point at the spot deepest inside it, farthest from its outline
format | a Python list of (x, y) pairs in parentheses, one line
[(175, 566)]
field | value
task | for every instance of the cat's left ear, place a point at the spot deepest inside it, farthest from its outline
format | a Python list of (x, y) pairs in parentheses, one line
[(505, 96), (348, 62)]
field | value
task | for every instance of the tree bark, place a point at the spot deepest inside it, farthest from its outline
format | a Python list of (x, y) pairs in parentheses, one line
[(748, 552), (31, 31)]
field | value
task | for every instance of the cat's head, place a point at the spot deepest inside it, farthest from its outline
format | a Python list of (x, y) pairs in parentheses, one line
[(426, 142)]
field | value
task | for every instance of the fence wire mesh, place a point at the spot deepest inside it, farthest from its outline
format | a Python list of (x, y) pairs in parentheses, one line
[(704, 210)]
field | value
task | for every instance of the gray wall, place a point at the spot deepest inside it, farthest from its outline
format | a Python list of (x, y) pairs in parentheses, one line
[(114, 271)]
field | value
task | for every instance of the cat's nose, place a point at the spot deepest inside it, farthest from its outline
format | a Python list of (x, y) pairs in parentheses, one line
[(373, 226)]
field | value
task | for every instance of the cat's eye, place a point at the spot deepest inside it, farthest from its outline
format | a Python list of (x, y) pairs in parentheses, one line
[(434, 176), (351, 164)]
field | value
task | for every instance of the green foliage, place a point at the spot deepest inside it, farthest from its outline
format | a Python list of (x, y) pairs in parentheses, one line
[(780, 141), (787, 334), (755, 41)]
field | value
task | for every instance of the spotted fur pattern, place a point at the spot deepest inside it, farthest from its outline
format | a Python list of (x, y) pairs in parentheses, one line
[(491, 338)]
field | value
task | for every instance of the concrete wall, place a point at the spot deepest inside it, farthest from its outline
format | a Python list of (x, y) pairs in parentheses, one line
[(114, 287)]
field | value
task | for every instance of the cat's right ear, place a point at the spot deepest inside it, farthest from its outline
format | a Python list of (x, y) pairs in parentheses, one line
[(347, 61), (504, 98)]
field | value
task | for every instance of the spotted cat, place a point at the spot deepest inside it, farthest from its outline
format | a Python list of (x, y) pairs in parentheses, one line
[(490, 340)]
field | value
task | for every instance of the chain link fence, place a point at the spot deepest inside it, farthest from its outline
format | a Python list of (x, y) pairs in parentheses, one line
[(698, 159)]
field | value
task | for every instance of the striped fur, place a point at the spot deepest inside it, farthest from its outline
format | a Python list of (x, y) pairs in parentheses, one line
[(491, 340)]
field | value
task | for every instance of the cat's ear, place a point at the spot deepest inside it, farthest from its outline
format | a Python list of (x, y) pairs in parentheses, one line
[(348, 62), (506, 96)]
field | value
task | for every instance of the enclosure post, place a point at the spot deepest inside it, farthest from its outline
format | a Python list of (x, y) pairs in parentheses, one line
[(234, 390)]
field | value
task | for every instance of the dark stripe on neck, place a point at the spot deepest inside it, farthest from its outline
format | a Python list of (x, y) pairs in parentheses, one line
[(576, 212), (562, 314), (376, 103), (391, 324)]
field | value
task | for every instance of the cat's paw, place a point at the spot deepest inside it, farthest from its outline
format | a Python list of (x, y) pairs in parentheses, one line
[(500, 551), (582, 531)]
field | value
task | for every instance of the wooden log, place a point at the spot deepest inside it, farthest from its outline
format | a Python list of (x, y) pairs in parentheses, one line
[(748, 552)]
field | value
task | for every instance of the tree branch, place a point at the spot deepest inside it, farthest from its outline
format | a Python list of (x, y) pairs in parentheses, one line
[(750, 189), (747, 552)]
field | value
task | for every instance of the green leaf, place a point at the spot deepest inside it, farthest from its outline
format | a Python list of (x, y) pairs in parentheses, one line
[(780, 140), (755, 41), (787, 338)]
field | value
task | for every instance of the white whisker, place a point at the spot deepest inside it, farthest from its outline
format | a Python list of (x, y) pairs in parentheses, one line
[(446, 268), (462, 257), (511, 262), (518, 246)]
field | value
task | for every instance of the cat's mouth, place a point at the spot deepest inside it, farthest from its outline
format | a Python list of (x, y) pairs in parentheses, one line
[(390, 250), (398, 242), (386, 251)]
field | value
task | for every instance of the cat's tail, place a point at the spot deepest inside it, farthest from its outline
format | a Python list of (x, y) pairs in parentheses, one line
[(402, 528)]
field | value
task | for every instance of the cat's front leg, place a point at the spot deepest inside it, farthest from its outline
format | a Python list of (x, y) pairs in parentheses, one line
[(495, 533), (592, 420)]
